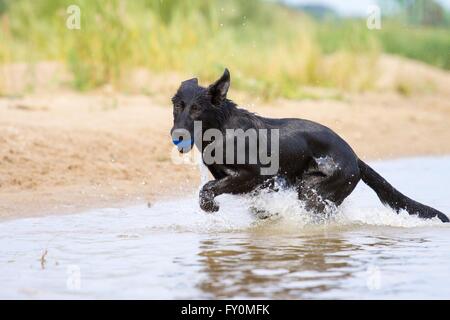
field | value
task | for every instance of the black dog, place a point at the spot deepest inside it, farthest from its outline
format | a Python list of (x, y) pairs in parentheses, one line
[(312, 158)]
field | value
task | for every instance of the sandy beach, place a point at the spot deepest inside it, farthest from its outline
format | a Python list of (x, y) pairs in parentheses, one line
[(63, 151)]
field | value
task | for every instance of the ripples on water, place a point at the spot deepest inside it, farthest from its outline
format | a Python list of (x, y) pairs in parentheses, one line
[(173, 250)]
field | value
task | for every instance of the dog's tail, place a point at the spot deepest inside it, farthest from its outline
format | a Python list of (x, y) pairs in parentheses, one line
[(394, 198)]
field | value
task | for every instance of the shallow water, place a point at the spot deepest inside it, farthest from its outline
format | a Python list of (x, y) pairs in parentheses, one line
[(173, 250)]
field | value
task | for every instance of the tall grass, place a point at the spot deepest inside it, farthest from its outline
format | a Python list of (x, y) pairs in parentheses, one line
[(272, 51), (431, 45), (428, 44)]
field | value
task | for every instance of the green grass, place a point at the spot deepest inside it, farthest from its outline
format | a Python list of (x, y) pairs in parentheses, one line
[(271, 51), (427, 44), (430, 45)]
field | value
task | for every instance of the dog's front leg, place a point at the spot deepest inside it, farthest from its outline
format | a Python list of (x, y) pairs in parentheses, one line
[(207, 202), (236, 184)]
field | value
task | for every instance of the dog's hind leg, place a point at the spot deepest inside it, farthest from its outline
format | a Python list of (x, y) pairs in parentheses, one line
[(326, 182)]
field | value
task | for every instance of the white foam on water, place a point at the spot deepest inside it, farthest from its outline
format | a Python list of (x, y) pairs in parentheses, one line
[(286, 214)]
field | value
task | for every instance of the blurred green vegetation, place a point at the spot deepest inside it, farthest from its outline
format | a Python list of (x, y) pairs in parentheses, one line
[(428, 44), (418, 29), (418, 12), (270, 49), (424, 43)]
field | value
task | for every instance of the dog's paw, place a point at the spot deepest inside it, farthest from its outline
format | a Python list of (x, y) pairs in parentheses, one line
[(209, 205), (208, 187), (206, 195)]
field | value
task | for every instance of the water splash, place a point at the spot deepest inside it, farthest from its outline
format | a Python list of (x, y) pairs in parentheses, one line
[(284, 212), (204, 172)]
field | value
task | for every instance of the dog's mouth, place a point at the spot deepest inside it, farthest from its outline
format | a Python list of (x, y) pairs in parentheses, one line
[(183, 145)]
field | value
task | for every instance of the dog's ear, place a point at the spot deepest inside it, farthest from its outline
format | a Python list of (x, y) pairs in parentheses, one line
[(190, 82), (218, 90)]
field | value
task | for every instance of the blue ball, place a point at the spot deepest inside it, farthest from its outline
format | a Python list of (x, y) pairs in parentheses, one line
[(182, 143)]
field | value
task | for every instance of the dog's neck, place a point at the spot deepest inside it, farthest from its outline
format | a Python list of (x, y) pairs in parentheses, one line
[(229, 116), (224, 112)]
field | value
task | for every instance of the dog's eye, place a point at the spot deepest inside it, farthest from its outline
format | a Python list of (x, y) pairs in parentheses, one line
[(179, 106), (195, 107)]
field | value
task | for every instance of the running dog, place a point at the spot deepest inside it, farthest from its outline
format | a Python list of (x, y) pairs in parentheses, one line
[(311, 157)]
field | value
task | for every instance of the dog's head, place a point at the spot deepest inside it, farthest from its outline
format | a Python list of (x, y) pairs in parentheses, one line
[(195, 103)]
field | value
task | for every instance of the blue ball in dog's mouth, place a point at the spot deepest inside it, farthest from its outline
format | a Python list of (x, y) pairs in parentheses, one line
[(182, 143)]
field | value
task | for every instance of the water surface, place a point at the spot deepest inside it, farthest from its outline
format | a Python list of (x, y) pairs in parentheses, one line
[(173, 250)]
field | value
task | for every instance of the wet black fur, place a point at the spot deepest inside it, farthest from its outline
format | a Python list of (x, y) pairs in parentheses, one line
[(307, 151)]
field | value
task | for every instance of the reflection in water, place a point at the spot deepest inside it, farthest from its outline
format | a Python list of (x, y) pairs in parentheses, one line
[(262, 267), (295, 267)]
